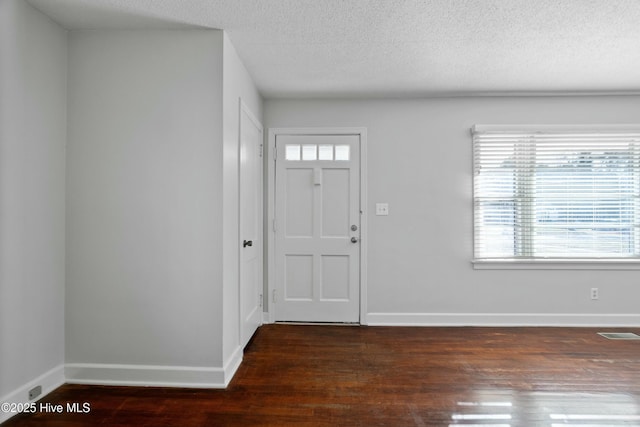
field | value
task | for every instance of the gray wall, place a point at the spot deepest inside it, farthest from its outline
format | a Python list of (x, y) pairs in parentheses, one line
[(33, 51), (237, 84), (419, 160), (152, 187), (144, 209)]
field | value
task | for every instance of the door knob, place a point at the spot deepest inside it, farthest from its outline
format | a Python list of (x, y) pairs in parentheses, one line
[(354, 240), (247, 243)]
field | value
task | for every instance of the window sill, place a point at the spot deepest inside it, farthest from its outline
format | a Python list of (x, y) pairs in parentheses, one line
[(556, 264)]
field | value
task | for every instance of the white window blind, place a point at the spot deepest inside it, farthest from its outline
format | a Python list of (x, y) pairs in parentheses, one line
[(557, 192)]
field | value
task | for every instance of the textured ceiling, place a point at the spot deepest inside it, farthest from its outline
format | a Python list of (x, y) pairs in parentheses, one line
[(402, 48)]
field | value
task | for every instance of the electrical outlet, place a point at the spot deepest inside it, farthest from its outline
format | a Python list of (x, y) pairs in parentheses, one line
[(594, 293), (35, 392)]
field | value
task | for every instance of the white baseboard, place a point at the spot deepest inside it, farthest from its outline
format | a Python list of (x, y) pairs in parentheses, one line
[(153, 375), (232, 365), (49, 381), (127, 375), (503, 319), (266, 318)]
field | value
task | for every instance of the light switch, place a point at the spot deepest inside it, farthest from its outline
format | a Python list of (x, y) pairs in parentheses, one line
[(382, 208)]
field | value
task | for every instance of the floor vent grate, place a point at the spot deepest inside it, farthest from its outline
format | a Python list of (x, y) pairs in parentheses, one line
[(619, 335)]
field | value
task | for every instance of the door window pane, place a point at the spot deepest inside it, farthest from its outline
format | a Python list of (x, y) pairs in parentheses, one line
[(325, 152), (342, 152), (312, 152), (309, 152), (292, 152)]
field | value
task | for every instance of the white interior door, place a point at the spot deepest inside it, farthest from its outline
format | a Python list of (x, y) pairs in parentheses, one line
[(317, 221), (250, 234)]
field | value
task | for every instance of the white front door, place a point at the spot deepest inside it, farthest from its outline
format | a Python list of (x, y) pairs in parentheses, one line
[(250, 233), (317, 220)]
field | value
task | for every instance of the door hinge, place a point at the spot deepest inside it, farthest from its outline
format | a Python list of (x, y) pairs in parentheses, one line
[(261, 148), (275, 153), (260, 299), (274, 296), (274, 225)]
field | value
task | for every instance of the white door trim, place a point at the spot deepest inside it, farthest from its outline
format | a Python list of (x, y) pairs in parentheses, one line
[(271, 197)]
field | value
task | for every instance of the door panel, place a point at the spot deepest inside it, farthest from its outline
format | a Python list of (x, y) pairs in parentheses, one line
[(250, 233), (335, 202), (299, 200), (335, 278), (298, 278), (317, 204)]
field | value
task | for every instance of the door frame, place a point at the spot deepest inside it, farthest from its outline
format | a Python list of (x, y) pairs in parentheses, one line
[(270, 169)]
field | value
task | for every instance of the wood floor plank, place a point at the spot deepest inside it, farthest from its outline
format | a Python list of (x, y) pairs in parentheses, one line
[(390, 376)]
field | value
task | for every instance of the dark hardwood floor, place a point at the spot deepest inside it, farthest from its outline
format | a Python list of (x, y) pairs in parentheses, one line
[(379, 376)]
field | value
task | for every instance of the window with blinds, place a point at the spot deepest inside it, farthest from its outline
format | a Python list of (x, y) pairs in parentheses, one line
[(556, 192)]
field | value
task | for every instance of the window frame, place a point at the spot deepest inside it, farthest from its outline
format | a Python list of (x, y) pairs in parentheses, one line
[(555, 263)]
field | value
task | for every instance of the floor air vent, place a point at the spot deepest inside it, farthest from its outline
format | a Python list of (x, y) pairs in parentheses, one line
[(620, 335)]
